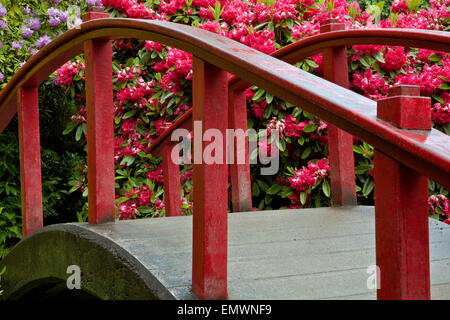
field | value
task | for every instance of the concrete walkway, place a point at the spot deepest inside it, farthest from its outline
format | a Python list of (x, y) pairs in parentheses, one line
[(290, 254)]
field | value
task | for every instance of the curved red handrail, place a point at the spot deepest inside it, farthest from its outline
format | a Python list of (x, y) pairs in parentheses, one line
[(307, 47), (425, 151)]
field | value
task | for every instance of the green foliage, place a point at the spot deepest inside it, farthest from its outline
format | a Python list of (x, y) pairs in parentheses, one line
[(1, 273), (10, 58)]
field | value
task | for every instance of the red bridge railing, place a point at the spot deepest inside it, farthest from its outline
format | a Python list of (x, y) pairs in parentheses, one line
[(333, 47), (402, 154)]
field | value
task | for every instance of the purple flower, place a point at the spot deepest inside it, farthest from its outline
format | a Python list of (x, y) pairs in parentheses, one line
[(64, 16), (26, 32), (96, 3), (2, 11), (17, 45), (3, 24), (1, 77), (32, 50), (54, 21), (34, 24), (1, 45), (52, 12), (43, 41), (26, 10)]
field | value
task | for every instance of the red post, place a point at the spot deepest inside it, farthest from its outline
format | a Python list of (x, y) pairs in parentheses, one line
[(401, 212), (171, 172), (340, 143), (30, 159), (240, 172), (100, 128), (209, 261)]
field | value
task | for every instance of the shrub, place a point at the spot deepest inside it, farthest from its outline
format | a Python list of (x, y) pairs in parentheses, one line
[(152, 87)]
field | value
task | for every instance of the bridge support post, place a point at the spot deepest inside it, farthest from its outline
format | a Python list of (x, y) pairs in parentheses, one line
[(240, 172), (340, 143), (401, 212), (210, 112), (100, 127), (172, 186), (30, 159)]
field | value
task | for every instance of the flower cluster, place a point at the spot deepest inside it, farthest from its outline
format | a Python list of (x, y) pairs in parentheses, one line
[(30, 28), (440, 205), (307, 177), (372, 84), (67, 72), (153, 87)]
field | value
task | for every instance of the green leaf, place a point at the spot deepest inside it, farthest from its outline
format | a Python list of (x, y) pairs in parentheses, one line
[(379, 57), (310, 128), (368, 187), (365, 61), (444, 86), (255, 189), (311, 63), (281, 144), (438, 98), (129, 114), (274, 189), (306, 153), (78, 133), (258, 94), (326, 189), (264, 187), (303, 196), (70, 126), (435, 57)]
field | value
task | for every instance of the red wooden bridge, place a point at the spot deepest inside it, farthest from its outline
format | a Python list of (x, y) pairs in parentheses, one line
[(295, 254)]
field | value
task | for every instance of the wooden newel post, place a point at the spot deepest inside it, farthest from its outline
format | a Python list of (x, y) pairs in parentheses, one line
[(30, 159), (340, 143), (100, 126), (401, 212), (210, 177), (171, 172)]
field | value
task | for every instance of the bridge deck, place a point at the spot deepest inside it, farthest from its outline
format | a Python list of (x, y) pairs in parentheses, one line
[(289, 254)]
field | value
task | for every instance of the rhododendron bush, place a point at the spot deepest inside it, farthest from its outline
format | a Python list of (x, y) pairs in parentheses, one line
[(152, 85), (152, 88)]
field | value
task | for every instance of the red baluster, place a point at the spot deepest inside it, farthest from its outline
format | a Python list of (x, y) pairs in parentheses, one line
[(30, 159), (100, 127), (401, 212), (239, 170), (340, 143), (171, 172), (209, 263)]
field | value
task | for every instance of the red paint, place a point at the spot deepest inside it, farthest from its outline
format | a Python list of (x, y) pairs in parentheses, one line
[(171, 172), (30, 159), (401, 220), (100, 130), (427, 153), (340, 143), (240, 172), (411, 111), (209, 261), (95, 13)]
